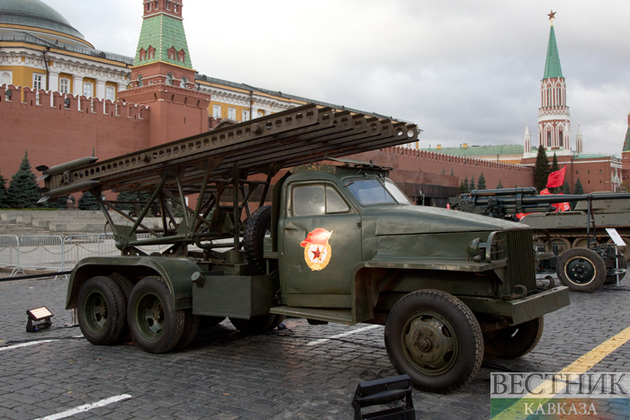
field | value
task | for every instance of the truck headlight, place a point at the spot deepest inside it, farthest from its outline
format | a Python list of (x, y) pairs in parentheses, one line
[(473, 250)]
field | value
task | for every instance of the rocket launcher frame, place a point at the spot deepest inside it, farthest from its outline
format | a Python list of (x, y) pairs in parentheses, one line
[(216, 166)]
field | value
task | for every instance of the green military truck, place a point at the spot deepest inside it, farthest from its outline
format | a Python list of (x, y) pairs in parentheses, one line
[(339, 243)]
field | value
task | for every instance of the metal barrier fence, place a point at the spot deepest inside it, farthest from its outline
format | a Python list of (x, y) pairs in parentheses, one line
[(56, 253), (9, 255)]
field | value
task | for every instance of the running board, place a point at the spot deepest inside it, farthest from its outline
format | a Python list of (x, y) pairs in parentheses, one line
[(337, 316)]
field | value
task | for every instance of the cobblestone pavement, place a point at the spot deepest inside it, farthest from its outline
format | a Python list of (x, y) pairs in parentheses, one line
[(227, 375)]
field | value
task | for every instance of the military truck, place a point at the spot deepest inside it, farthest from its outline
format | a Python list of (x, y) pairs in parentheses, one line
[(339, 243), (592, 261)]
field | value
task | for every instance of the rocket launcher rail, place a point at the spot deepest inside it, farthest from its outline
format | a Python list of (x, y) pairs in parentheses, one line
[(215, 168), (301, 135)]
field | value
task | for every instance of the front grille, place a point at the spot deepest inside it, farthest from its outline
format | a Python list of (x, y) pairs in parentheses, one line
[(518, 247)]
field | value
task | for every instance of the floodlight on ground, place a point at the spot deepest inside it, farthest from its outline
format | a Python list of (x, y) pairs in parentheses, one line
[(39, 315), (387, 391)]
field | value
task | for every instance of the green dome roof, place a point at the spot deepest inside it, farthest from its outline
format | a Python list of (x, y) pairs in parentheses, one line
[(34, 13)]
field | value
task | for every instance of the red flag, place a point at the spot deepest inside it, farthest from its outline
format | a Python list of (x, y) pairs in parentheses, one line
[(556, 179)]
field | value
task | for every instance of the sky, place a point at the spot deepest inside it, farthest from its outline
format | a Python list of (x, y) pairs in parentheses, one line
[(463, 71)]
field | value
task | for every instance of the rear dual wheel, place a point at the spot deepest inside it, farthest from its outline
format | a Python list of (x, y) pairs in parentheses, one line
[(155, 323), (101, 311)]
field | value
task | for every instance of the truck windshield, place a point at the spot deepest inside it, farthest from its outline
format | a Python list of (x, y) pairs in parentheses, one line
[(370, 192)]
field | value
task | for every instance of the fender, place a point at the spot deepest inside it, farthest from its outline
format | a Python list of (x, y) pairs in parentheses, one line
[(176, 272)]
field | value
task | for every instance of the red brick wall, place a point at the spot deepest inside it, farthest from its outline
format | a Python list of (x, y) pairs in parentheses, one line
[(52, 134), (436, 168)]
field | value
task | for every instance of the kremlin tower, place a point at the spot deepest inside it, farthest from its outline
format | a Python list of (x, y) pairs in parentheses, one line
[(554, 129)]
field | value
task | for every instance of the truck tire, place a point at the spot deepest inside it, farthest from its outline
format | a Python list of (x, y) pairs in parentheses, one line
[(101, 311), (254, 325), (126, 286), (514, 341), (258, 226), (581, 270), (191, 328), (153, 320), (433, 337)]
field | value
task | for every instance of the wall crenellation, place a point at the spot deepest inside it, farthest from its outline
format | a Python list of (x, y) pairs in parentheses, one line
[(457, 160), (47, 101)]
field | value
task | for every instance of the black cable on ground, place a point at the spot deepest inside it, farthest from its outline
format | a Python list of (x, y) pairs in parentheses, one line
[(36, 276)]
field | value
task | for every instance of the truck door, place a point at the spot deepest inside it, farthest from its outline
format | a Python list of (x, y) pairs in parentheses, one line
[(319, 244)]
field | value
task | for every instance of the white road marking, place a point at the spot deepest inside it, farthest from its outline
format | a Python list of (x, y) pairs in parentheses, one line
[(323, 340), (30, 343), (86, 407)]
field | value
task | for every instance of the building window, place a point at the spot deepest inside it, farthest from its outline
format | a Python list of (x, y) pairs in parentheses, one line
[(151, 52), (169, 79), (232, 113), (38, 81), (64, 85), (216, 111), (548, 138), (88, 89), (245, 115), (184, 83), (110, 93), (260, 113), (139, 80)]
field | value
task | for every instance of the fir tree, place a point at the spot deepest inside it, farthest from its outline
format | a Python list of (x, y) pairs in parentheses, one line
[(88, 201), (22, 192), (554, 163), (466, 187), (3, 193), (577, 189), (566, 189), (462, 188), (452, 172), (139, 198), (541, 169), (472, 183), (481, 183), (499, 186)]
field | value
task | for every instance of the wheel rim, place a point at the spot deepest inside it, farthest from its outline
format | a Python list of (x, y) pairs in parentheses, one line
[(580, 271), (96, 311), (150, 317), (429, 343)]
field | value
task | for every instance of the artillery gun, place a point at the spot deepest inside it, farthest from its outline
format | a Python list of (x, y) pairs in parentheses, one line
[(580, 261), (339, 243)]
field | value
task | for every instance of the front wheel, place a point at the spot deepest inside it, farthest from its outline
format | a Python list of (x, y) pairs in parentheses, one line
[(434, 338), (581, 270), (153, 320), (514, 341)]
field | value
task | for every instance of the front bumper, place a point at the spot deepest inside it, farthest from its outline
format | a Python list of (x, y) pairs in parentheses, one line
[(521, 310)]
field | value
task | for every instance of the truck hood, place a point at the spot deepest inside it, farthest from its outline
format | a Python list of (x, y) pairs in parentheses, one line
[(401, 220)]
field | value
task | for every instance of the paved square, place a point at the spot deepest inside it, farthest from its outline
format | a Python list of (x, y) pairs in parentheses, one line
[(303, 372)]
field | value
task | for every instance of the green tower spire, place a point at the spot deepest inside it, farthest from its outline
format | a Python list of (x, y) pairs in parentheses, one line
[(162, 37), (626, 143), (552, 65)]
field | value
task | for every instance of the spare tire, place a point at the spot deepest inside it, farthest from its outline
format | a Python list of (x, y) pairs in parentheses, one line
[(258, 227)]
